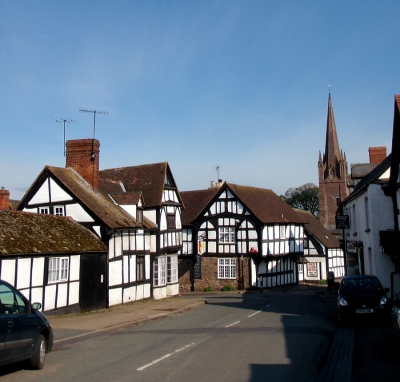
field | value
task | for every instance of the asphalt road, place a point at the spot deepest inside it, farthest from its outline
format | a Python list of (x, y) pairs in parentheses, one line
[(279, 336)]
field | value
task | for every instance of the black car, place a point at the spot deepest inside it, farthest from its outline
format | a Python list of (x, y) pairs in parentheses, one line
[(25, 333), (362, 296)]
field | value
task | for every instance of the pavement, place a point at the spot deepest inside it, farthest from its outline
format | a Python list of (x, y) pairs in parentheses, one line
[(337, 365)]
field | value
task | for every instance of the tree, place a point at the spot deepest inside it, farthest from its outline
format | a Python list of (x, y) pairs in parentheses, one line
[(305, 197)]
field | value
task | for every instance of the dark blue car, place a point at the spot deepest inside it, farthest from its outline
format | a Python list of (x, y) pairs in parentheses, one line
[(25, 333)]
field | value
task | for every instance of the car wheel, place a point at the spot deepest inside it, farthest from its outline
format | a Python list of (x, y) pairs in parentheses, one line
[(39, 353)]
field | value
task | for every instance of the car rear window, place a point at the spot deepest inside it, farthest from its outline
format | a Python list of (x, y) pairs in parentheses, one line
[(364, 284)]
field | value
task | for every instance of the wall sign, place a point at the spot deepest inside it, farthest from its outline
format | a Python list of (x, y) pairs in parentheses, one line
[(342, 221)]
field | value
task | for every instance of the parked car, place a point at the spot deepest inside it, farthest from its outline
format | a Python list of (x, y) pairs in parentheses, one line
[(25, 332), (362, 296), (396, 316)]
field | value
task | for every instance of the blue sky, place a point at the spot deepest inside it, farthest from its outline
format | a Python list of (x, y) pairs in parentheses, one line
[(238, 84)]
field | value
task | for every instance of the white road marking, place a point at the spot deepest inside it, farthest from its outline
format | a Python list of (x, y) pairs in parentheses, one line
[(165, 356), (253, 314), (234, 323)]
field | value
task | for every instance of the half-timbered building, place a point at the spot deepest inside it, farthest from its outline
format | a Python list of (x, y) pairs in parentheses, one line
[(162, 205), (73, 191), (238, 235), (322, 252), (48, 259)]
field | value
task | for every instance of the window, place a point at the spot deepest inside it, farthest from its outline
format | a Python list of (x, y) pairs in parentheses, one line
[(227, 268), (227, 235), (43, 210), (172, 269), (140, 270), (58, 269), (171, 221), (59, 211), (159, 271), (282, 232)]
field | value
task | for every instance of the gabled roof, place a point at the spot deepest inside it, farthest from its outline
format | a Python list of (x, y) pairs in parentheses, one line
[(264, 204), (372, 177), (195, 202), (394, 173), (24, 233), (316, 229), (147, 178), (267, 206), (97, 205)]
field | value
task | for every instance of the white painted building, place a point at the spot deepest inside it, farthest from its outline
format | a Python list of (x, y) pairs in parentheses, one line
[(370, 211), (46, 257)]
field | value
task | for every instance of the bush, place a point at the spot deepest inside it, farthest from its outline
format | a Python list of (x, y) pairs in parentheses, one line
[(228, 287), (208, 289)]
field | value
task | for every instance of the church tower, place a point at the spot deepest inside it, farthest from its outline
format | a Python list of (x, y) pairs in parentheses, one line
[(332, 174)]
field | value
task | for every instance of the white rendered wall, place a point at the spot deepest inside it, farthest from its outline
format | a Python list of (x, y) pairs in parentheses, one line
[(367, 218)]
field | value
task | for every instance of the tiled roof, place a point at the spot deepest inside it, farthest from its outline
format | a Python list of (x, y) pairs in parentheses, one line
[(194, 202), (147, 178), (263, 203), (128, 198), (267, 206), (318, 230), (103, 208), (27, 233)]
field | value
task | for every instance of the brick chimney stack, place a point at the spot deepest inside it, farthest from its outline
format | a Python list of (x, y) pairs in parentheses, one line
[(83, 156), (4, 199), (377, 154)]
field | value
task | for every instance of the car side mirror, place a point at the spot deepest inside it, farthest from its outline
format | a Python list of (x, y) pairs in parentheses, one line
[(36, 305)]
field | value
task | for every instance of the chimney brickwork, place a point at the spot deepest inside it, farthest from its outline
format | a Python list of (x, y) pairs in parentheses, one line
[(377, 154), (4, 199), (83, 156)]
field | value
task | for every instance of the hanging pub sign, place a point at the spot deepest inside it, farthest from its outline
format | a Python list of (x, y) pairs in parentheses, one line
[(342, 222)]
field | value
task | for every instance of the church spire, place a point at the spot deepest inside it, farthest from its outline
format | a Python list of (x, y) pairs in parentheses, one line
[(332, 173), (332, 156)]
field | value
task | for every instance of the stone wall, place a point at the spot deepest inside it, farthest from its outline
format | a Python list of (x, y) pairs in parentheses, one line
[(209, 275), (185, 273)]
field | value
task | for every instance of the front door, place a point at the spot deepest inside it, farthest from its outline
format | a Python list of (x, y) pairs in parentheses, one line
[(93, 282)]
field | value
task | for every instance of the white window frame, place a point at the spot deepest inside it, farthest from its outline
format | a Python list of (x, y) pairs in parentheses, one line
[(58, 269), (172, 269), (227, 268), (160, 271), (59, 210), (282, 232), (227, 235), (44, 210)]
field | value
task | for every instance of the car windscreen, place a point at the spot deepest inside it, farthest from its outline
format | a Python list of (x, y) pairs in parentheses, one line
[(365, 284)]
